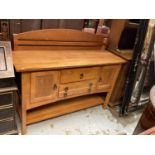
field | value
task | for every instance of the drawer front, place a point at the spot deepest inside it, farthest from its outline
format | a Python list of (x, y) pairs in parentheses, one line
[(107, 77), (79, 74), (6, 126), (6, 99), (6, 112), (77, 89)]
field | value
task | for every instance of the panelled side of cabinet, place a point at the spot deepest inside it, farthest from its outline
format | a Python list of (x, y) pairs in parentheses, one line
[(113, 82)]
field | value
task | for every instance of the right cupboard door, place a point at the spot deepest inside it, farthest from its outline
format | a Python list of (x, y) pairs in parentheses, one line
[(107, 77)]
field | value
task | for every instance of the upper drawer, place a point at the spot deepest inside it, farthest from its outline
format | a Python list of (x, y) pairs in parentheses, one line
[(79, 74)]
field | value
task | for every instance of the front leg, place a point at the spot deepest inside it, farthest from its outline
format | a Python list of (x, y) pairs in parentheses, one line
[(25, 100)]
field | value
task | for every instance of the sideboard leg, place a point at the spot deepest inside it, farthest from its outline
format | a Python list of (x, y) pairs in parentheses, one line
[(105, 104), (23, 128), (107, 99), (23, 123), (25, 100)]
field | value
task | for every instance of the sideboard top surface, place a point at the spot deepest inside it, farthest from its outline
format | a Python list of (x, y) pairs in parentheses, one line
[(35, 60)]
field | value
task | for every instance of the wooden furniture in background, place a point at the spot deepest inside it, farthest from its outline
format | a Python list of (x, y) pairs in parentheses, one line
[(7, 90), (121, 80), (62, 71), (121, 42)]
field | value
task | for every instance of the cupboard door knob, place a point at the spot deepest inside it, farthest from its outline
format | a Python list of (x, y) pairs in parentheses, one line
[(100, 79), (90, 84), (66, 89), (81, 76), (54, 87)]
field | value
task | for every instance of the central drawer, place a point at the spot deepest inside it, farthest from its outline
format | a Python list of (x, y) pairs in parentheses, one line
[(77, 89), (79, 74)]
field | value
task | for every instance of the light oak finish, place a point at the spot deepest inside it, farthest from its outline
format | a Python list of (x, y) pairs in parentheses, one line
[(60, 38), (113, 82), (121, 80), (63, 107), (77, 88), (25, 61), (44, 86), (120, 86), (106, 77), (80, 74), (25, 77), (60, 72)]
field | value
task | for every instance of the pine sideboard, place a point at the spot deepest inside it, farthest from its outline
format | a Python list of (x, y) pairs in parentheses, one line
[(61, 71)]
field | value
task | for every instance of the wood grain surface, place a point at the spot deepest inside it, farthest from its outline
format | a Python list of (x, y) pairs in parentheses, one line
[(45, 60)]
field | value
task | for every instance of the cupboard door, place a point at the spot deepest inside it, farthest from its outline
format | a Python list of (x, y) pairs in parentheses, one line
[(44, 86), (107, 77)]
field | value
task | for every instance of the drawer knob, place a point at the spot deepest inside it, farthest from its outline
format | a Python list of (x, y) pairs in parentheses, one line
[(65, 94), (100, 79), (54, 87), (66, 89), (90, 84), (81, 76)]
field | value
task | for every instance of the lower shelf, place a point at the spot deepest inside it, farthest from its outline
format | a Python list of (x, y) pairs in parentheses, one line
[(63, 107)]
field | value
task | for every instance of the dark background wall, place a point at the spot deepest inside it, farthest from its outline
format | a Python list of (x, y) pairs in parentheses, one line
[(12, 26)]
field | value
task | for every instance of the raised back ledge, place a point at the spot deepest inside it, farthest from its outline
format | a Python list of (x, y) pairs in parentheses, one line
[(68, 35), (52, 39)]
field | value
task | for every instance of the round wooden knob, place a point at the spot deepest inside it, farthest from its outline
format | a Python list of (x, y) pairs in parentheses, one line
[(100, 79), (81, 76), (90, 84), (66, 89), (54, 87)]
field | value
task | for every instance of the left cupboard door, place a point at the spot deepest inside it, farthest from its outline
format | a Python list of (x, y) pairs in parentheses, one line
[(44, 87)]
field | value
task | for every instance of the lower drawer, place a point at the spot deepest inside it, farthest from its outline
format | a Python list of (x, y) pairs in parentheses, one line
[(6, 112), (77, 89), (6, 126)]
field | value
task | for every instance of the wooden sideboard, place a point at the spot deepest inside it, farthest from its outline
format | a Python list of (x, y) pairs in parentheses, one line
[(62, 71)]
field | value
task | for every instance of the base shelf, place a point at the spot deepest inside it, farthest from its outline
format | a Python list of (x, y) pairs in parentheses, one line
[(63, 107)]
